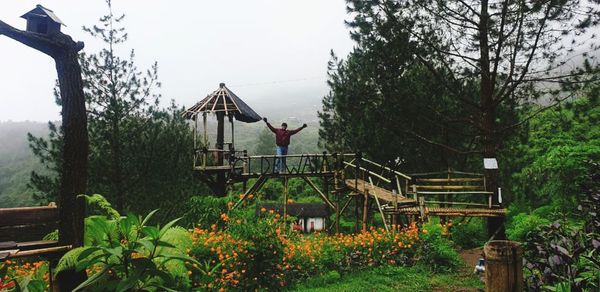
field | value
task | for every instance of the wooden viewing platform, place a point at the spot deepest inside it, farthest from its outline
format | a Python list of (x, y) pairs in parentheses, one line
[(359, 186), (451, 212)]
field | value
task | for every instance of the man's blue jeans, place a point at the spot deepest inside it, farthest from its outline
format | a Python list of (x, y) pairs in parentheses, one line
[(280, 162)]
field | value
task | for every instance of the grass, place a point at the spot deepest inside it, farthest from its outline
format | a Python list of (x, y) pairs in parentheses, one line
[(392, 279)]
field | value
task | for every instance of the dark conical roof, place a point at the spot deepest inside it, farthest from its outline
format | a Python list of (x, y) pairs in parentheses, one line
[(224, 100)]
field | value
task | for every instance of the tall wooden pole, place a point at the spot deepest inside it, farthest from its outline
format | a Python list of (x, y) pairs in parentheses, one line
[(285, 200), (365, 214), (356, 212), (64, 51), (220, 187)]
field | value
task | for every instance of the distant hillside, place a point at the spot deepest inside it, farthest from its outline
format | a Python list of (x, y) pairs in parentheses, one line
[(17, 162)]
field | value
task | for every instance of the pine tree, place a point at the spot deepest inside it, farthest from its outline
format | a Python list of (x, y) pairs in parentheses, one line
[(139, 153)]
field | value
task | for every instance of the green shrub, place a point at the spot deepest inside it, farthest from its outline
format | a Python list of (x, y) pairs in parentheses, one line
[(126, 253), (470, 234), (203, 211), (521, 224), (436, 251)]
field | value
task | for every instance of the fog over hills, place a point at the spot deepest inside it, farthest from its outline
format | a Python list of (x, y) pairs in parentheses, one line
[(295, 106), (17, 161)]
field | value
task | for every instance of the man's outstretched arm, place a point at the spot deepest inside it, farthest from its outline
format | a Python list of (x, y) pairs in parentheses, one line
[(269, 125), (292, 132)]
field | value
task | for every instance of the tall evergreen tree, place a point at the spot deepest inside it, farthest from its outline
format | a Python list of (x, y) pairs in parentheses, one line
[(139, 153), (487, 57)]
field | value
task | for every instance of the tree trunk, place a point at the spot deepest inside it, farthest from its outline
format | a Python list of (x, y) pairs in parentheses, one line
[(75, 158), (64, 50), (117, 164), (488, 111)]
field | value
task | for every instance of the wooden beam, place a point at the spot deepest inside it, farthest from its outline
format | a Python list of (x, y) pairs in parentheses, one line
[(310, 183), (446, 180), (28, 215), (41, 251), (346, 205), (456, 193), (448, 187), (285, 200), (254, 188), (378, 205)]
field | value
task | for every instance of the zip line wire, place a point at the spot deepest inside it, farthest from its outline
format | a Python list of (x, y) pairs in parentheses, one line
[(278, 82)]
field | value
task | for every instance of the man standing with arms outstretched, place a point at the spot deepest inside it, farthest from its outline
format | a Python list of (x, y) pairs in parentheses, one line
[(282, 139)]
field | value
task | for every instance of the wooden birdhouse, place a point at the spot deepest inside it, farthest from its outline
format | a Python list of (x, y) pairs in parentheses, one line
[(42, 20)]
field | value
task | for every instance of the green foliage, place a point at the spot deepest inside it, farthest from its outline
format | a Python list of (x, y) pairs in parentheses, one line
[(125, 253), (389, 278), (17, 162), (564, 256), (522, 224), (203, 211), (139, 150), (552, 159), (23, 276), (97, 203), (470, 234), (437, 252), (265, 252)]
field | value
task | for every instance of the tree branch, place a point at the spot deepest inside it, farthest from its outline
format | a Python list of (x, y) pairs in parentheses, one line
[(441, 145), (51, 45)]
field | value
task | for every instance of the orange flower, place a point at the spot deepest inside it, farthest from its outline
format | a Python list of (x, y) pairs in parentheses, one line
[(263, 210)]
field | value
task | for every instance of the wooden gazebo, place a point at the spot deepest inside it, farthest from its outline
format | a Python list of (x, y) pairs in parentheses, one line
[(209, 161)]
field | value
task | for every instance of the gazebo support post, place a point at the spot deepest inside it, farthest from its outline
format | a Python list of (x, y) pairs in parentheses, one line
[(220, 187)]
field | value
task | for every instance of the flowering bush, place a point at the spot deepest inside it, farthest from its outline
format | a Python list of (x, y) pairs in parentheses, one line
[(260, 253), (241, 251), (24, 276)]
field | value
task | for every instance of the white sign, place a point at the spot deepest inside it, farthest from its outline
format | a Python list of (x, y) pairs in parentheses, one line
[(490, 163)]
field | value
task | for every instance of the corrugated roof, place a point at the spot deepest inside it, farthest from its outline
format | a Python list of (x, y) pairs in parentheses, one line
[(41, 11), (297, 209), (224, 100)]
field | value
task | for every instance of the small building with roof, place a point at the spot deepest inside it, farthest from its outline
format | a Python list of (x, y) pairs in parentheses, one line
[(311, 217), (42, 20)]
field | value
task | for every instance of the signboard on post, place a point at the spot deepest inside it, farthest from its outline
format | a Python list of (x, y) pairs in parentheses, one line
[(490, 163)]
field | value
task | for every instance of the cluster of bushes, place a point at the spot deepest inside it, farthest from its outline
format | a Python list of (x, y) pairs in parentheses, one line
[(239, 251), (564, 255)]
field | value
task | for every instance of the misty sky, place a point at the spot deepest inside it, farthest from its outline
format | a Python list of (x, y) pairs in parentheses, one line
[(266, 51)]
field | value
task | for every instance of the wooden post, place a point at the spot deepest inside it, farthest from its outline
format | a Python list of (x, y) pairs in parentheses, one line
[(365, 210), (220, 186), (337, 190), (205, 140), (285, 200), (232, 131), (503, 266), (356, 212)]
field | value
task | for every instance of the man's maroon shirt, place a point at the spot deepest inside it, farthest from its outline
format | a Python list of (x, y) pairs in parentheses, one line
[(282, 136)]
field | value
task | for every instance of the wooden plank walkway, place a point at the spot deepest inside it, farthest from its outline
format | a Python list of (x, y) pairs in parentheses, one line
[(360, 186), (456, 212)]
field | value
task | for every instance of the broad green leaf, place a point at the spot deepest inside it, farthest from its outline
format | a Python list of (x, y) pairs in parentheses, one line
[(92, 280)]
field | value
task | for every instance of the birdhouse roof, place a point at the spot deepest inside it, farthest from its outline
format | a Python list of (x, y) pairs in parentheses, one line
[(224, 100), (41, 11)]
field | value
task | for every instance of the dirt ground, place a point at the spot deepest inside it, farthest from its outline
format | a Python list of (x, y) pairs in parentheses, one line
[(470, 256)]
